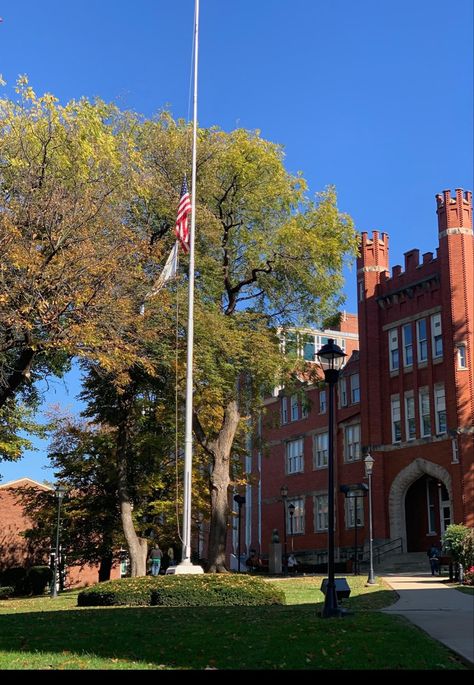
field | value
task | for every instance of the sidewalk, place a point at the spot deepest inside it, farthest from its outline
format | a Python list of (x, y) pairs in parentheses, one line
[(442, 612)]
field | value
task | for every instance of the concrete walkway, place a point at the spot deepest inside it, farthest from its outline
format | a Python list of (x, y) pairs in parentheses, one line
[(442, 612)]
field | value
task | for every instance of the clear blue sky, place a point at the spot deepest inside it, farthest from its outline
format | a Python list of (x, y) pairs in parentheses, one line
[(374, 97)]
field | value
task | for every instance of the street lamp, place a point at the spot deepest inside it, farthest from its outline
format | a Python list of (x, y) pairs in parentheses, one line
[(331, 357), (59, 492), (369, 465), (284, 496), (240, 500), (291, 511)]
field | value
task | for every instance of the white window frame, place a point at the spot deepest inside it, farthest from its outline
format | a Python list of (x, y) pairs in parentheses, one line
[(322, 401), (421, 340), (294, 456), (295, 413), (436, 336), (321, 511), (320, 458), (298, 516), (440, 409), (284, 410), (395, 414), (455, 450), (352, 442), (461, 355), (410, 416), (355, 388), (343, 392), (393, 351), (425, 412), (349, 511), (407, 337)]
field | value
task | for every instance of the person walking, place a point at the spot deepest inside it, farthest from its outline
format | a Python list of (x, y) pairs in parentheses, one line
[(155, 557)]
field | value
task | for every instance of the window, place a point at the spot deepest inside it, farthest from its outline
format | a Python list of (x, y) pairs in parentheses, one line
[(422, 340), (410, 422), (440, 409), (291, 344), (396, 426), (352, 442), (295, 523), (343, 392), (320, 450), (361, 291), (455, 450), (322, 401), (425, 418), (321, 512), (350, 507), (407, 345), (309, 348), (355, 389), (304, 408), (284, 410), (462, 360), (436, 336), (394, 361), (294, 456), (295, 415), (430, 501)]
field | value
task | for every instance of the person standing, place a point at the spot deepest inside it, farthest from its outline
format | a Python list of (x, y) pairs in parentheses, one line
[(155, 556), (434, 555)]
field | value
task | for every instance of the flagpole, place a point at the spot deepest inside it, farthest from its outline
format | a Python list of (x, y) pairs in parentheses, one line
[(185, 566)]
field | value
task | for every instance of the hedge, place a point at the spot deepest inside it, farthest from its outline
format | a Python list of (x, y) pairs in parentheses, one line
[(183, 591)]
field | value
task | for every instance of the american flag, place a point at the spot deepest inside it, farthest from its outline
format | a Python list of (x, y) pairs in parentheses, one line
[(184, 209)]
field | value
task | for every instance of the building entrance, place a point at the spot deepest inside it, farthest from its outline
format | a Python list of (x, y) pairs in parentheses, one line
[(427, 513)]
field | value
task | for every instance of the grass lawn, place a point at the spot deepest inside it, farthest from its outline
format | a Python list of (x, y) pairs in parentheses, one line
[(41, 633)]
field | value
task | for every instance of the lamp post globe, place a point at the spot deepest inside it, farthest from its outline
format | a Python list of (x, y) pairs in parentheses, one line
[(369, 466), (284, 497), (60, 491), (331, 358)]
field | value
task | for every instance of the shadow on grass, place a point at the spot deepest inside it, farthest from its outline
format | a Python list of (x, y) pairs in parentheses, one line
[(289, 637)]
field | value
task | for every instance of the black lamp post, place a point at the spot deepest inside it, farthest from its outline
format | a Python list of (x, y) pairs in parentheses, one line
[(240, 500), (331, 357), (291, 511), (60, 492), (369, 465), (284, 496)]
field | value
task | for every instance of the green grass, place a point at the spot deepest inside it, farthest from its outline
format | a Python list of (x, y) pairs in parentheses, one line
[(41, 633)]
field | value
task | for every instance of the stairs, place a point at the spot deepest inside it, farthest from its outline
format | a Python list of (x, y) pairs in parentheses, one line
[(411, 562)]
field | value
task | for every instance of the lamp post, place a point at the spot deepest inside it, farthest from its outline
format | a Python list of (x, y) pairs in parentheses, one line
[(198, 527), (240, 500), (331, 357), (60, 492), (291, 511), (369, 465), (284, 496)]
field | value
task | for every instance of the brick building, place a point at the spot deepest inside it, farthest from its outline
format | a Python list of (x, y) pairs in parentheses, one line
[(406, 395), (18, 551)]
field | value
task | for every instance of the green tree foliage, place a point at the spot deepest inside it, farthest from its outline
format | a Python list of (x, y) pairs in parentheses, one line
[(267, 257)]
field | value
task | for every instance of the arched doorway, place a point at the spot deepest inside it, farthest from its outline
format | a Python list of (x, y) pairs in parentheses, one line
[(427, 513), (420, 502)]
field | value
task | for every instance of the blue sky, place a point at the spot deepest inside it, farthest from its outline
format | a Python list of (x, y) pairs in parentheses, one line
[(373, 97)]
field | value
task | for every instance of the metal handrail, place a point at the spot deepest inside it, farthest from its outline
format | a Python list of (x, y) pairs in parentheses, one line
[(385, 548)]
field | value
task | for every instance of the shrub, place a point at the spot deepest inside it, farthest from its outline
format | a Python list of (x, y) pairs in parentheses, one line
[(38, 578), (468, 577), (16, 577), (6, 592), (184, 591), (458, 540)]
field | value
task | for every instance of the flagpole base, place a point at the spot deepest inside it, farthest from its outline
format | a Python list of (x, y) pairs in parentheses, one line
[(185, 567)]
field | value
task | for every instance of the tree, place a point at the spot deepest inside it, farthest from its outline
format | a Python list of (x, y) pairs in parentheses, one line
[(267, 257), (73, 258)]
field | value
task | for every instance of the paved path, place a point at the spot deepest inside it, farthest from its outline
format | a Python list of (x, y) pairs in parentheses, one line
[(442, 612)]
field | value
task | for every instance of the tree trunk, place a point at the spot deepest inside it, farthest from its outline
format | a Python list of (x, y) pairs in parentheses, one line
[(105, 567), (20, 373), (219, 486), (137, 546)]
